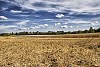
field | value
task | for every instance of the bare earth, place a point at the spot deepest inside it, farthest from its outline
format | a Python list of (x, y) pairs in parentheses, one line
[(30, 51)]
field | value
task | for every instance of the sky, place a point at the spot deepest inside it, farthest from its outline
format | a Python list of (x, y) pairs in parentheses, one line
[(48, 15)]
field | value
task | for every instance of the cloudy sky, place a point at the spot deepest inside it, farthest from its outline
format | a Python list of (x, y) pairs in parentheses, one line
[(48, 15)]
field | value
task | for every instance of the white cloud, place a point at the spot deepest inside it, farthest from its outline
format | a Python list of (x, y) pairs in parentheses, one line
[(25, 28), (14, 11), (45, 25), (95, 23), (64, 26), (48, 19), (3, 18), (22, 22), (57, 24), (2, 27), (95, 19), (23, 15), (60, 15), (77, 21), (65, 22), (42, 25), (71, 13), (71, 26), (34, 27), (74, 5), (3, 8), (34, 23)]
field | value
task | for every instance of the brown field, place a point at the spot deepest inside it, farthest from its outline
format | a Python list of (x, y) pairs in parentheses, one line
[(87, 35), (33, 51)]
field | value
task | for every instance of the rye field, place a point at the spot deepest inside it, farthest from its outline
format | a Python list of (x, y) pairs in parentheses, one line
[(50, 51)]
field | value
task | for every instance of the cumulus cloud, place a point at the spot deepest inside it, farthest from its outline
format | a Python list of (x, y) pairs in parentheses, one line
[(3, 18), (70, 26), (57, 24), (40, 26), (60, 15), (95, 23), (72, 13), (15, 11), (34, 27), (45, 25), (64, 26)]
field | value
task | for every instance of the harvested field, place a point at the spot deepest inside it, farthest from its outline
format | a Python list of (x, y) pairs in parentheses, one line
[(30, 51), (87, 35)]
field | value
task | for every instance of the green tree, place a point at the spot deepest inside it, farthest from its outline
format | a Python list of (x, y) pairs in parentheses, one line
[(91, 30), (85, 31), (98, 30)]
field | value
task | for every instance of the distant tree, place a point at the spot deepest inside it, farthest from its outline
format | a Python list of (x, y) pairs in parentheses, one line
[(37, 33), (12, 33), (60, 32), (68, 32), (98, 30), (5, 34), (85, 31), (91, 30), (16, 33), (74, 32), (80, 31)]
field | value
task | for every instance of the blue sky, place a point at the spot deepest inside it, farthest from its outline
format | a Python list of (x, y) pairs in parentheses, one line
[(48, 15)]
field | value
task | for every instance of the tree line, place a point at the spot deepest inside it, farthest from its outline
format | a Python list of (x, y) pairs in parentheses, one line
[(91, 30)]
